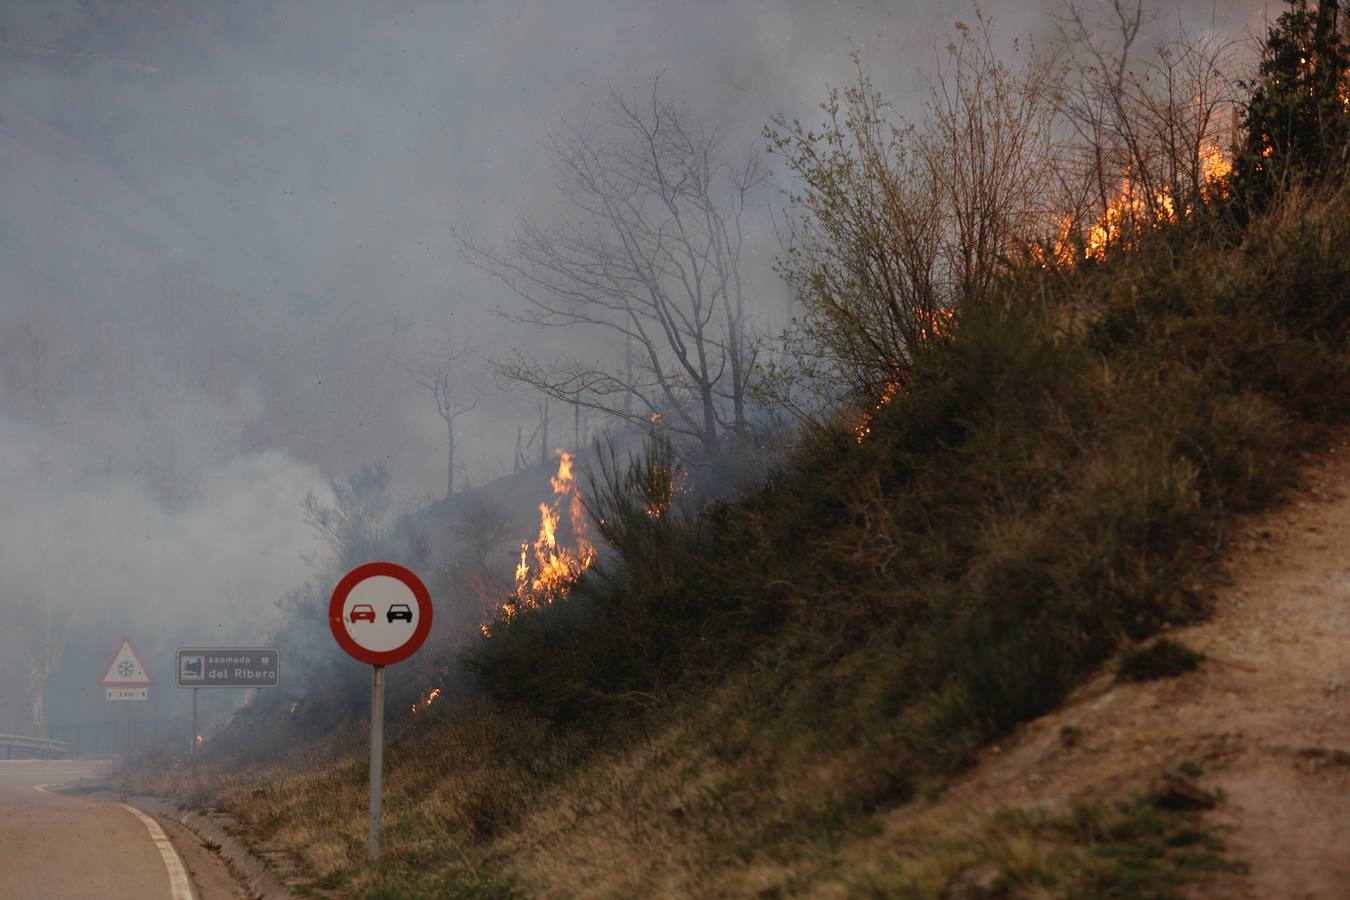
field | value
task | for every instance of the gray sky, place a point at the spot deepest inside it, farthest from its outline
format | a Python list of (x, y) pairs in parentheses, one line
[(225, 227)]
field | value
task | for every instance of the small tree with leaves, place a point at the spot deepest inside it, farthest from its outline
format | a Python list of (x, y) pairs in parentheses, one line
[(896, 222), (1298, 114)]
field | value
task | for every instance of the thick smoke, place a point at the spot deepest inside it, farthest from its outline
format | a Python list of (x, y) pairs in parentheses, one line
[(227, 231)]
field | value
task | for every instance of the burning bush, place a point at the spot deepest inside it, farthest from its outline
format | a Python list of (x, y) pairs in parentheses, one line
[(604, 639), (547, 568)]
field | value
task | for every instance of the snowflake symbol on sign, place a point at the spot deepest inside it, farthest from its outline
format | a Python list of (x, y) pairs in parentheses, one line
[(125, 668)]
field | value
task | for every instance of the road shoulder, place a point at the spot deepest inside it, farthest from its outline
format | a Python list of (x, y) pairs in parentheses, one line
[(211, 876), (220, 865)]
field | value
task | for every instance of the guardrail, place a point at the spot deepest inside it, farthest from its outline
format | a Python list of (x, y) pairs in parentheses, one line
[(12, 742)]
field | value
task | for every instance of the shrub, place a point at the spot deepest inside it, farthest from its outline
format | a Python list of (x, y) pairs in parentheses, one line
[(1057, 477), (1164, 658)]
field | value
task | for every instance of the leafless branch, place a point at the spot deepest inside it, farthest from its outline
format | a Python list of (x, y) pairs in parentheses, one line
[(649, 251), (453, 399)]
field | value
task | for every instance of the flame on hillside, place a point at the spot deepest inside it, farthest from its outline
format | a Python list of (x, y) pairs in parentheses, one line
[(864, 426), (547, 570), (426, 701), (661, 492), (666, 482), (1130, 209), (939, 324)]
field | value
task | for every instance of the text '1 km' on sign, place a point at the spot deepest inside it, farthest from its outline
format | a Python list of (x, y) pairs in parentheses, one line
[(227, 667)]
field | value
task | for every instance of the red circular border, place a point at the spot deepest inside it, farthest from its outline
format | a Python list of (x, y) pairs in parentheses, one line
[(349, 583)]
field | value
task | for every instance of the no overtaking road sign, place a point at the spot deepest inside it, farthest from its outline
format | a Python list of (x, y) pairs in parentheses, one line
[(380, 613)]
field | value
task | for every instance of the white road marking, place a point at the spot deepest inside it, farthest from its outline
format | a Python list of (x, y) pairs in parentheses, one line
[(180, 888), (44, 788)]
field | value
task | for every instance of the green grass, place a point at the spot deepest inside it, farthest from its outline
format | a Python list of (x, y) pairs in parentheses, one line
[(399, 884), (1127, 849), (1058, 478), (1141, 850), (1163, 658), (744, 694)]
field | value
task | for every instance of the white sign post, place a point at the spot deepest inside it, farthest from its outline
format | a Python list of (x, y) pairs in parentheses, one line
[(380, 613), (126, 678)]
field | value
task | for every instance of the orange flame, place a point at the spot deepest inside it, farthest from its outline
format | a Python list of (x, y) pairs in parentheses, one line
[(426, 701), (667, 483), (546, 570), (864, 426), (938, 324), (1130, 209)]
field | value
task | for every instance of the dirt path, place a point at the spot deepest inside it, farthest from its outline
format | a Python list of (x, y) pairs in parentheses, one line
[(1267, 717)]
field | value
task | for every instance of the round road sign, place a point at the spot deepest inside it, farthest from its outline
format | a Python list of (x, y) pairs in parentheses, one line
[(380, 613)]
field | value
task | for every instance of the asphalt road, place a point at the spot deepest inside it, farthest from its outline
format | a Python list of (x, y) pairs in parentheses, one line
[(55, 845)]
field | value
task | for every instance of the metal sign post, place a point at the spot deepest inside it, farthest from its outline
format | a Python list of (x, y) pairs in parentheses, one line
[(380, 614), (376, 757), (224, 667), (126, 679)]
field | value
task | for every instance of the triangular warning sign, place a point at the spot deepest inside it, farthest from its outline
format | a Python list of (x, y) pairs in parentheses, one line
[(126, 668)]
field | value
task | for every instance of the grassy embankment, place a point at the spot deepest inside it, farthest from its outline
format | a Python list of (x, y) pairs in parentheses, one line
[(760, 687)]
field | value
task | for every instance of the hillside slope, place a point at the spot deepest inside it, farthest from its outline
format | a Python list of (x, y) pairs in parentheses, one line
[(774, 697), (1265, 717), (1263, 721)]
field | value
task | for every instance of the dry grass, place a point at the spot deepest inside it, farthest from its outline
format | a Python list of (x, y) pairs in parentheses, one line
[(667, 818), (881, 611)]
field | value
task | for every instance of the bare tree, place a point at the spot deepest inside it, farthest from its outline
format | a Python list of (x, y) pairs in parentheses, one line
[(45, 618), (352, 525), (484, 558), (1149, 125), (47, 650), (541, 430), (648, 253), (519, 462), (452, 401), (986, 143)]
